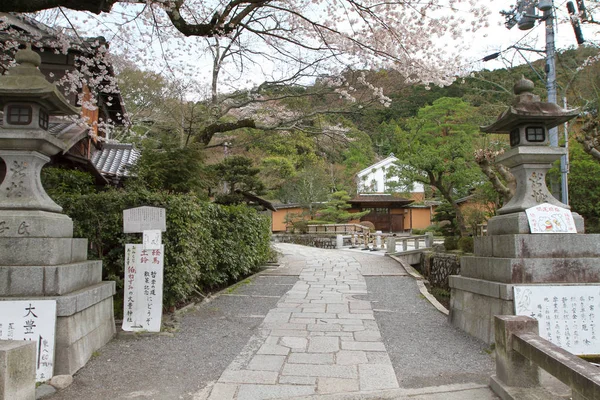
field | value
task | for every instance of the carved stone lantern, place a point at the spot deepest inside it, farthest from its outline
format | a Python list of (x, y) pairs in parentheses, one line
[(528, 121), (28, 101), (39, 258)]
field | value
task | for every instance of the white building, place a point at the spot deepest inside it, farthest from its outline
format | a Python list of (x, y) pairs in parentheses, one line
[(374, 179)]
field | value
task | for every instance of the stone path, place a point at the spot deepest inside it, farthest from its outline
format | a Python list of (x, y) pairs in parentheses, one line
[(321, 338)]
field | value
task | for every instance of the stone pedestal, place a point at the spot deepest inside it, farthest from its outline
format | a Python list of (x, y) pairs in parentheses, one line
[(17, 370), (485, 286), (40, 259)]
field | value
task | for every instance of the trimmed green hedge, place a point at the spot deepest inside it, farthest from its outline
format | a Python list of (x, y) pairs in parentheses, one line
[(206, 245)]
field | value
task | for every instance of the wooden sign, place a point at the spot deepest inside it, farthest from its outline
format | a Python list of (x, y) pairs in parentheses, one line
[(33, 320), (547, 218), (140, 219), (143, 288), (567, 314)]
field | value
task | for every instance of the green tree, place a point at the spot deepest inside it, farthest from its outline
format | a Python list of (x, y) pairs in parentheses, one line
[(171, 168), (238, 173), (336, 209), (439, 151), (310, 186), (584, 186)]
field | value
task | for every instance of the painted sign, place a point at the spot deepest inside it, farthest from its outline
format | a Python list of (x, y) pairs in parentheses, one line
[(567, 315), (152, 239), (33, 320), (548, 218), (143, 290), (140, 219)]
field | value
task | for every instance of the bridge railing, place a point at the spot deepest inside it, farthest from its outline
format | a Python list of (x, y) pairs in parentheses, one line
[(521, 352), (418, 242), (338, 228)]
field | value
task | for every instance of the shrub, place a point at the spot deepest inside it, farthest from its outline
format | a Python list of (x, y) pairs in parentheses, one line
[(451, 243), (465, 244), (206, 245)]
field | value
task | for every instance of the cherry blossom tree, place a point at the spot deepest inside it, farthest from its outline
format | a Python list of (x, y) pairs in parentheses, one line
[(285, 42)]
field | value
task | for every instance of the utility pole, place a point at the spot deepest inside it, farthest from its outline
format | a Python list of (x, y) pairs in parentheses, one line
[(524, 15)]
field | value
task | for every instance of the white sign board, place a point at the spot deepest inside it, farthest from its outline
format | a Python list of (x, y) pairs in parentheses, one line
[(140, 219), (143, 287), (568, 316), (547, 218), (152, 239), (33, 320)]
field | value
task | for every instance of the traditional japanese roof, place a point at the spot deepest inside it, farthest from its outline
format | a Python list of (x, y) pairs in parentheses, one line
[(379, 199), (255, 199), (527, 108), (115, 159)]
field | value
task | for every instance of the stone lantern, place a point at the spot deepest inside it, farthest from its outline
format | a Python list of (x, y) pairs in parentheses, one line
[(28, 101), (39, 258), (510, 255), (528, 121)]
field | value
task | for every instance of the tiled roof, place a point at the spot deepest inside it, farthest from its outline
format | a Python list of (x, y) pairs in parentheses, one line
[(115, 159)]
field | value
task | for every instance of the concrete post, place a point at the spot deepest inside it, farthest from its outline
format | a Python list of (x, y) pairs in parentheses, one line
[(512, 368), (404, 244), (417, 244), (353, 241), (429, 239), (391, 245), (367, 239), (17, 370), (339, 241), (378, 239)]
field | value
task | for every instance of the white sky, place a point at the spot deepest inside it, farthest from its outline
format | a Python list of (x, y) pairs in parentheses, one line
[(499, 38), (485, 42)]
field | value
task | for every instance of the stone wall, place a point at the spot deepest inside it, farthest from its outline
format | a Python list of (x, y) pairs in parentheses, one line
[(437, 267)]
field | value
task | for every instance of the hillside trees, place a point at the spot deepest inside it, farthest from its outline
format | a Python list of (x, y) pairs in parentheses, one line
[(438, 151)]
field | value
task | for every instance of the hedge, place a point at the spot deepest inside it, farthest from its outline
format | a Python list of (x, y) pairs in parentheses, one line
[(206, 245)]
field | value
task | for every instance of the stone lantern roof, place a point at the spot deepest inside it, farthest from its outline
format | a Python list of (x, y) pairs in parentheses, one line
[(25, 83), (528, 109)]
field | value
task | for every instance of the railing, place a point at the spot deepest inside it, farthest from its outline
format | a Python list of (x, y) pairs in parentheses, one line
[(385, 241), (520, 352), (338, 228), (392, 241)]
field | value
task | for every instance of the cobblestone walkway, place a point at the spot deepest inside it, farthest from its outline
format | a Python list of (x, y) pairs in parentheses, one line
[(321, 338)]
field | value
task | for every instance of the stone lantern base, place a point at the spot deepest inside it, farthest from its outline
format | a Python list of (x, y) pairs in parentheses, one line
[(46, 268), (501, 261), (40, 259)]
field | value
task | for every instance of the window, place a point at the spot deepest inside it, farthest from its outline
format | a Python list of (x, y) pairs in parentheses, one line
[(515, 137), (535, 134), (19, 115), (43, 119)]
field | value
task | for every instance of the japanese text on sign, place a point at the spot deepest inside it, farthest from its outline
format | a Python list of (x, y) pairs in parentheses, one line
[(142, 306), (548, 218), (33, 320), (567, 315), (137, 220)]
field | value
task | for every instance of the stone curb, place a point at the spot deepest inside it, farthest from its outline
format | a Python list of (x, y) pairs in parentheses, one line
[(421, 285), (394, 394)]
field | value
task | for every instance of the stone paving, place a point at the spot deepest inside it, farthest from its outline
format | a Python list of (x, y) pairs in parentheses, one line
[(321, 338)]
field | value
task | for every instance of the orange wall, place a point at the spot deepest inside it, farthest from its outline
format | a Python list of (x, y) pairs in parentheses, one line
[(278, 218), (417, 218)]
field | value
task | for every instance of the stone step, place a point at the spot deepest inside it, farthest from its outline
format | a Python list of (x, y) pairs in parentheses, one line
[(544, 245), (532, 270), (49, 280), (42, 251)]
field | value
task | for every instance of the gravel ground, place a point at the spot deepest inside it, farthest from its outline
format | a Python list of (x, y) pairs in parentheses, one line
[(424, 348), (162, 367)]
